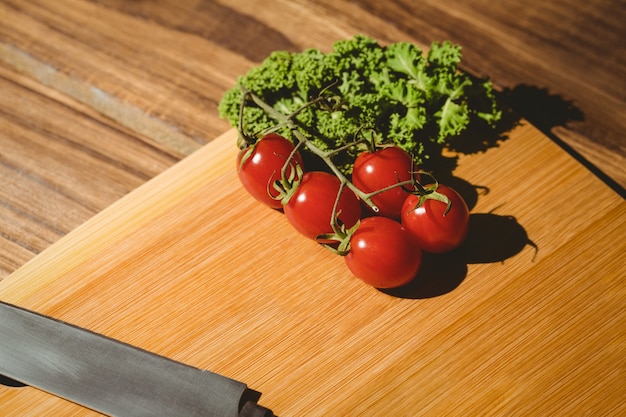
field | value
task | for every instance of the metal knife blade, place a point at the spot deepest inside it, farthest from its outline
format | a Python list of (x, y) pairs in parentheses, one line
[(112, 377)]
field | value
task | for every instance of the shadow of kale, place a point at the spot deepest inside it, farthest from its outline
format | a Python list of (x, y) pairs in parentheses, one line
[(546, 111), (542, 109)]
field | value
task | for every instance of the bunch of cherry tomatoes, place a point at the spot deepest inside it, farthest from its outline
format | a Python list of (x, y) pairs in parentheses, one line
[(380, 220)]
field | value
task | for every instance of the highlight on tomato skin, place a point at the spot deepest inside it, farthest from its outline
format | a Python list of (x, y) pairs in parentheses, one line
[(382, 168), (435, 230), (383, 253), (262, 166), (310, 209)]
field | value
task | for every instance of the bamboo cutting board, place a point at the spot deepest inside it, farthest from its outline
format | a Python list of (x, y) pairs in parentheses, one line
[(189, 266)]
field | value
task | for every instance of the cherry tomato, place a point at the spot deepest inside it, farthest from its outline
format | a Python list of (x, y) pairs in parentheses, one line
[(376, 170), (383, 253), (263, 166), (434, 231), (310, 208)]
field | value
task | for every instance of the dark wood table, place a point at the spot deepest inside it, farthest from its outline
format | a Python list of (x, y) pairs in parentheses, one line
[(97, 97)]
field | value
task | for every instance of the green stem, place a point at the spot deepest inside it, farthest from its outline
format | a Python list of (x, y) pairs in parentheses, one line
[(288, 121), (325, 156)]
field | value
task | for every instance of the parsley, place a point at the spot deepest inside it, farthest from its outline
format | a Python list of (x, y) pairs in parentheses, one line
[(396, 93)]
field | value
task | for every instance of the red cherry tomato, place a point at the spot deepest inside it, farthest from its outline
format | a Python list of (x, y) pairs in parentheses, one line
[(383, 253), (434, 231), (310, 208), (263, 166), (376, 170)]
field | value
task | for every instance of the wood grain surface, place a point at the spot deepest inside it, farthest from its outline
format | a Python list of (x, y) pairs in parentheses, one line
[(526, 319), (120, 212), (96, 97)]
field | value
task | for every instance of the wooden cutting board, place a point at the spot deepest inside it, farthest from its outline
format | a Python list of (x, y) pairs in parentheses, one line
[(191, 267)]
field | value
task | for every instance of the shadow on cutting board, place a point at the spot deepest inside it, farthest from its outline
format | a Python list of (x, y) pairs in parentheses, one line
[(491, 238)]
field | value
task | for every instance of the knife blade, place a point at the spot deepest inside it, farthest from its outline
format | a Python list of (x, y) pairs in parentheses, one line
[(112, 377)]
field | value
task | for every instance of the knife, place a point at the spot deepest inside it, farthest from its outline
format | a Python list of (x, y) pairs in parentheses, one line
[(112, 377)]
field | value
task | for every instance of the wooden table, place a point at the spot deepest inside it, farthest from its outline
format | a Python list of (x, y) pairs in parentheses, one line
[(97, 98)]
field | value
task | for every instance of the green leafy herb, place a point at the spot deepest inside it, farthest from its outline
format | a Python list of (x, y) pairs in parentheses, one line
[(396, 93)]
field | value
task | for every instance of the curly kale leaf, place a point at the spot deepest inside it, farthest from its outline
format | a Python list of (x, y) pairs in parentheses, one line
[(407, 59), (405, 97)]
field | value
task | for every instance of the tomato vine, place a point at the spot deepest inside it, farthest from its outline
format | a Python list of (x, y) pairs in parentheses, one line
[(325, 205)]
